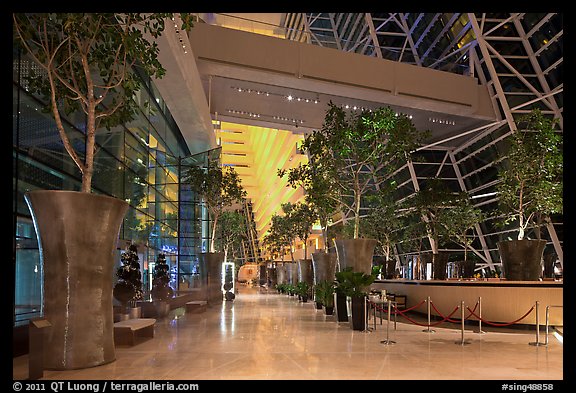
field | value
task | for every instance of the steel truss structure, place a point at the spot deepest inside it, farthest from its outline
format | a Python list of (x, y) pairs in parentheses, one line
[(518, 56)]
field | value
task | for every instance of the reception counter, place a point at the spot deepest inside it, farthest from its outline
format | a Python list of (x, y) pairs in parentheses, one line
[(502, 301)]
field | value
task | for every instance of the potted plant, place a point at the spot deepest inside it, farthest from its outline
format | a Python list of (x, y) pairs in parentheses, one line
[(356, 287), (326, 296), (357, 151), (530, 186), (318, 294), (86, 62), (219, 187), (128, 289), (161, 291), (302, 289)]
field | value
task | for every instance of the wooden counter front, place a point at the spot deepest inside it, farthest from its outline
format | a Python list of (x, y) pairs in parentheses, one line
[(502, 301)]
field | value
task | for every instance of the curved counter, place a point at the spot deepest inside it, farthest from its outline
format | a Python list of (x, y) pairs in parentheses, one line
[(502, 301)]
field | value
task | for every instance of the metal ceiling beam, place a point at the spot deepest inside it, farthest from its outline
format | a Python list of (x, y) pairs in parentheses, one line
[(370, 23)]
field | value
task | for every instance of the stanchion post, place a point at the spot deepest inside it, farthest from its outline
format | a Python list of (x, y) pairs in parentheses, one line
[(480, 331), (428, 330), (547, 324), (366, 316), (388, 341), (537, 343), (462, 342)]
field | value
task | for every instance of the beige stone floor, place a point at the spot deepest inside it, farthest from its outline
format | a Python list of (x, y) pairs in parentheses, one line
[(263, 335)]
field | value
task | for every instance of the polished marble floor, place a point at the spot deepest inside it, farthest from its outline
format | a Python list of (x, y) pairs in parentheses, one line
[(263, 335)]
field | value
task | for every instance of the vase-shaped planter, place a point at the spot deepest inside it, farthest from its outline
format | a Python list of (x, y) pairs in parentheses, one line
[(341, 307), (77, 236), (358, 308), (521, 259), (211, 274), (439, 265), (355, 253), (281, 274), (135, 312), (305, 272), (162, 308), (324, 266)]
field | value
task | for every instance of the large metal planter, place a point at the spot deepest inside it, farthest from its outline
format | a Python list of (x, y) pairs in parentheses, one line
[(305, 272), (281, 274), (439, 265), (77, 236), (324, 266), (521, 259), (211, 275), (356, 253)]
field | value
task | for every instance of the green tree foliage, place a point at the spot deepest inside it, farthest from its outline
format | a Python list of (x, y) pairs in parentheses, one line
[(461, 218), (384, 221), (358, 151), (354, 284), (86, 62), (303, 216), (432, 202), (531, 178), (230, 233), (219, 187)]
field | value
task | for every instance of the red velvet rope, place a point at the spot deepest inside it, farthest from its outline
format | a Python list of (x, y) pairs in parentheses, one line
[(503, 324), (454, 320), (410, 319)]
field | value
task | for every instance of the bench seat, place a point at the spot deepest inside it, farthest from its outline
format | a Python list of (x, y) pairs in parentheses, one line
[(126, 332), (196, 306)]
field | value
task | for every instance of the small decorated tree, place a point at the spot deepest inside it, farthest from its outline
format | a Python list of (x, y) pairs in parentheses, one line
[(161, 289), (128, 289)]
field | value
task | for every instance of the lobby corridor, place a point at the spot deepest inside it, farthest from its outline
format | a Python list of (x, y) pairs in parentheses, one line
[(263, 335)]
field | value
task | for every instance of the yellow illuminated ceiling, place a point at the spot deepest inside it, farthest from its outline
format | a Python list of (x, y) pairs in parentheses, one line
[(256, 153)]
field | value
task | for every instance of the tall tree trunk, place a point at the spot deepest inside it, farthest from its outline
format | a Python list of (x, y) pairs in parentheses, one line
[(212, 247)]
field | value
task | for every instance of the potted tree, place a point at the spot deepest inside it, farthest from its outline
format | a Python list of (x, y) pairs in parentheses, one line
[(231, 231), (530, 186), (384, 223), (320, 195), (86, 62), (128, 289), (461, 218), (282, 230), (355, 286), (432, 202), (303, 217), (219, 187), (161, 290), (358, 151)]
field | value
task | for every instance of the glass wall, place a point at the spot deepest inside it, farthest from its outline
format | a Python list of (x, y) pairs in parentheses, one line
[(138, 162)]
